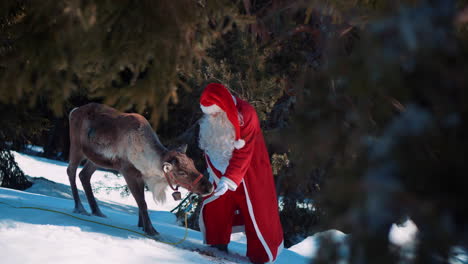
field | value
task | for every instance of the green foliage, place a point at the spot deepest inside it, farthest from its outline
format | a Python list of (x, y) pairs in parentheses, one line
[(237, 61), (126, 52), (359, 70), (19, 124), (278, 162), (298, 219), (17, 127), (389, 116), (333, 82), (11, 176)]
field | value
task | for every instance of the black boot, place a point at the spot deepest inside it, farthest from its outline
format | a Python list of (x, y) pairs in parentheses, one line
[(222, 247)]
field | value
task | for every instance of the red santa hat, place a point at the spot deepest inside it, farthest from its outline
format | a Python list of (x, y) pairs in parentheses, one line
[(217, 98)]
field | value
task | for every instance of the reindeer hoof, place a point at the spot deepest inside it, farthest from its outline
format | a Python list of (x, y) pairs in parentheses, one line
[(100, 214), (152, 233), (81, 211)]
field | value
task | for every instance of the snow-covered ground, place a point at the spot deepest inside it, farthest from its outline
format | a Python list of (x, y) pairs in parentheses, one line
[(36, 236)]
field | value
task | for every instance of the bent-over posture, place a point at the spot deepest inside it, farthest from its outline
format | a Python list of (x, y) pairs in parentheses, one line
[(239, 165), (126, 143)]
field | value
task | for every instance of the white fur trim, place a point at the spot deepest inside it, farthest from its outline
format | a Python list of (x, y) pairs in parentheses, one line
[(213, 176), (236, 229), (231, 184), (280, 248), (201, 222), (240, 143), (211, 109), (254, 222)]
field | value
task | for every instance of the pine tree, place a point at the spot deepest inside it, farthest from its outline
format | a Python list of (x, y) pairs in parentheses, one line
[(18, 127), (11, 176), (372, 77), (362, 102), (124, 53), (390, 113)]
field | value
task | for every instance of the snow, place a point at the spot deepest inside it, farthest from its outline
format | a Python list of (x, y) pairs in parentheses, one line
[(309, 246), (37, 236), (70, 244), (459, 255), (403, 235)]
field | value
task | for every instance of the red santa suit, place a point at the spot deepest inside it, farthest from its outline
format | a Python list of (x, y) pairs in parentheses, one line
[(251, 199)]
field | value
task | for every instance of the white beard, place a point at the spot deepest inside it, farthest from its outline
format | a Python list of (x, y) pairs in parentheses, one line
[(217, 140)]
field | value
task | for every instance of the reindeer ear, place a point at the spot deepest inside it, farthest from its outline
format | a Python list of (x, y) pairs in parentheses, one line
[(167, 167), (182, 148)]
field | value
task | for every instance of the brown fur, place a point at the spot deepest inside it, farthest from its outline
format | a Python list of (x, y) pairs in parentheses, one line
[(126, 143)]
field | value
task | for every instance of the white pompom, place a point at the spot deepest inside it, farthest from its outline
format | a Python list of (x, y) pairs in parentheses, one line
[(238, 144)]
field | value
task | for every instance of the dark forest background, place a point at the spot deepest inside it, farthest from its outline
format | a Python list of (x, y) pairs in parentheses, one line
[(363, 103)]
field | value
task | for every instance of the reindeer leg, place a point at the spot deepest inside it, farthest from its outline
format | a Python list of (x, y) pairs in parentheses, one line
[(71, 171), (140, 219), (136, 185), (85, 177)]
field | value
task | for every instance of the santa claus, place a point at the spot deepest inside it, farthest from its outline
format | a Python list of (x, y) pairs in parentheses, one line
[(239, 165)]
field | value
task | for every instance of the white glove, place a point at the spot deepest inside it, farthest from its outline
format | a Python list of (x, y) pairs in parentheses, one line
[(221, 188)]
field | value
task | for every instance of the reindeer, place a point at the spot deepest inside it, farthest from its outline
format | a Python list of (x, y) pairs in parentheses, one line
[(126, 143)]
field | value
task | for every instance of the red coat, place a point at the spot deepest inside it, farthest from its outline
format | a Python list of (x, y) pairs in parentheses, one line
[(251, 166)]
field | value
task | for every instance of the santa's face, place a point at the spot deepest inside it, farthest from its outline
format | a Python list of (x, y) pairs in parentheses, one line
[(217, 114), (217, 138)]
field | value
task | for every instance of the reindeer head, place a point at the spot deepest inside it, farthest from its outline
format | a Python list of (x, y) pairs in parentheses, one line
[(181, 171)]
